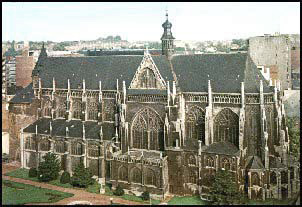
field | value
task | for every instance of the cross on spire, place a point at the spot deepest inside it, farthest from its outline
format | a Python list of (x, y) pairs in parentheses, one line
[(167, 12)]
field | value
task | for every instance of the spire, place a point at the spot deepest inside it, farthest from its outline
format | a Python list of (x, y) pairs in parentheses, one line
[(43, 52), (167, 38)]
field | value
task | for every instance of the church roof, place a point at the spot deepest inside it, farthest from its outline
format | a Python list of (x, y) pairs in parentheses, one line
[(254, 162), (75, 128), (25, 95), (226, 71), (225, 148)]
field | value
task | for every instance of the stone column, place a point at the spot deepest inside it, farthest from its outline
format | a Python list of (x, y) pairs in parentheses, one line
[(217, 162), (68, 159), (22, 148), (289, 189), (279, 185), (250, 185)]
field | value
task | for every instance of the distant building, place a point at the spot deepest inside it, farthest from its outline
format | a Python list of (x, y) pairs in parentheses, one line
[(295, 66), (11, 71), (24, 67), (272, 54), (4, 79)]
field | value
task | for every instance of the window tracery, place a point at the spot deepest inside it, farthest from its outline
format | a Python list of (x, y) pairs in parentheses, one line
[(30, 143), (195, 124), (255, 179), (147, 130), (93, 150), (226, 127), (123, 173), (47, 108), (150, 177), (191, 160), (192, 177), (210, 162), (60, 147), (225, 164), (136, 176), (92, 111), (77, 109), (44, 145), (147, 79), (76, 148)]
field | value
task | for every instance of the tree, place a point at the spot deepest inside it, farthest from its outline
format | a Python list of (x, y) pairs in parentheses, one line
[(224, 190), (49, 168), (145, 196), (82, 177), (294, 136), (119, 191), (65, 177), (32, 172)]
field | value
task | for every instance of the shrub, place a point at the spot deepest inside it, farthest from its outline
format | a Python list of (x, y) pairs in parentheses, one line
[(65, 177), (32, 172), (119, 191), (145, 195), (82, 177), (49, 168)]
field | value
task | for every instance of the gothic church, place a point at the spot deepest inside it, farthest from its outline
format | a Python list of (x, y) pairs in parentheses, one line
[(162, 123)]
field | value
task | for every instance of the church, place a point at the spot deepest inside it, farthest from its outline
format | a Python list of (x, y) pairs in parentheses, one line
[(162, 123)]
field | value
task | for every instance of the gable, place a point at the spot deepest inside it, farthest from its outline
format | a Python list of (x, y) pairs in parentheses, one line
[(147, 76)]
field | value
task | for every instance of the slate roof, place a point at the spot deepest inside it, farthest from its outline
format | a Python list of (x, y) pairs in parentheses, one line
[(226, 71), (192, 144), (25, 95), (225, 148), (275, 163), (254, 162), (122, 52), (75, 127)]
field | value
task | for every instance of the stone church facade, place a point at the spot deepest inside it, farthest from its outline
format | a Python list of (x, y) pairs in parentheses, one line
[(163, 124)]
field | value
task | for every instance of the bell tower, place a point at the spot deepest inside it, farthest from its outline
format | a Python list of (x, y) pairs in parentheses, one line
[(167, 38)]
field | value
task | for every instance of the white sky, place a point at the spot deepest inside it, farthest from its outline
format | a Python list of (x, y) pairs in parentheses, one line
[(134, 21)]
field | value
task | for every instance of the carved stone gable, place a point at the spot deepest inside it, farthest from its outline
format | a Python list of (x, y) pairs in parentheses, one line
[(147, 76)]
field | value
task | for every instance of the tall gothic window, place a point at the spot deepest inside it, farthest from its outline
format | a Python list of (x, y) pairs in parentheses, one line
[(226, 127), (192, 176), (195, 124), (60, 147), (273, 178), (123, 173), (93, 150), (150, 177), (61, 110), (77, 110), (147, 130), (30, 143), (253, 131), (47, 108), (147, 79), (210, 162), (191, 160), (225, 164), (44, 145), (255, 179), (92, 111), (76, 148), (136, 175)]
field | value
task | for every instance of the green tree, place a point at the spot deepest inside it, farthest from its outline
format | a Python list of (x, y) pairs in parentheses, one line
[(49, 168), (82, 177), (145, 196), (294, 136), (224, 190), (119, 191)]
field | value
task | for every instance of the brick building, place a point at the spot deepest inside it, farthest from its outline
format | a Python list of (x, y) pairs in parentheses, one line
[(274, 52), (24, 67)]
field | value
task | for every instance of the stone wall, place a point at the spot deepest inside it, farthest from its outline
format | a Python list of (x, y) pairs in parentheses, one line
[(273, 51), (20, 116)]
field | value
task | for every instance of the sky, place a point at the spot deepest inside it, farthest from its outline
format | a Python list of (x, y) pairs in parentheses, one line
[(134, 21)]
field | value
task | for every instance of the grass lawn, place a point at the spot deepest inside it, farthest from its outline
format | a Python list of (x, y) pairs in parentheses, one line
[(18, 193), (187, 200), (95, 188)]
